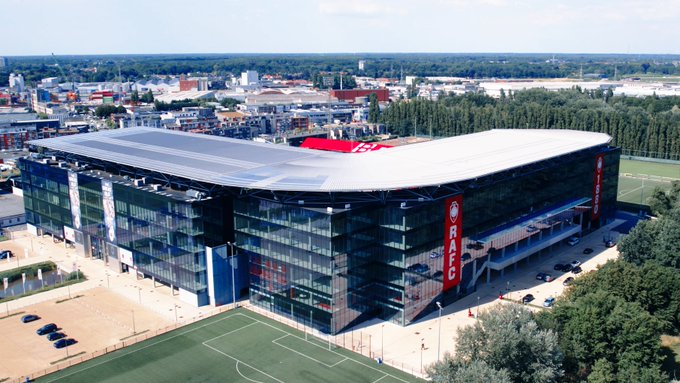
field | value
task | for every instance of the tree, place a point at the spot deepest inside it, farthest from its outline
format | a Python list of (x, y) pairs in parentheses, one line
[(134, 97), (453, 370), (229, 103), (104, 111), (147, 97), (506, 338), (373, 109), (637, 246)]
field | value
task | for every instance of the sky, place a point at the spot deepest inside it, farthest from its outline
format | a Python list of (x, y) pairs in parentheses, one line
[(42, 27)]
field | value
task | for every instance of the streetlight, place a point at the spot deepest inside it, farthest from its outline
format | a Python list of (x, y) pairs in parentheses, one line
[(140, 294), (422, 347), (231, 263), (175, 313), (134, 328), (477, 306), (439, 336), (382, 342)]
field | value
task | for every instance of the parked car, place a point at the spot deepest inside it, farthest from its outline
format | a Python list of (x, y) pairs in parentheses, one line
[(548, 302), (531, 228), (568, 281), (576, 270), (4, 254), (558, 267), (419, 268), (527, 298), (55, 336), (575, 263), (540, 276), (29, 318), (548, 278), (587, 250), (46, 329), (567, 268), (610, 243), (61, 343), (573, 241)]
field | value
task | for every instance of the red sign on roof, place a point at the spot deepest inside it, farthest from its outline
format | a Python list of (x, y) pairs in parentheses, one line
[(341, 146)]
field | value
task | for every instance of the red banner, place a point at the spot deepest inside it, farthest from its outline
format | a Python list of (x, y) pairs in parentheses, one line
[(453, 232), (597, 186)]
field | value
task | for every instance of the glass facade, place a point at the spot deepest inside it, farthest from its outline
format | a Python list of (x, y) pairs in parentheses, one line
[(166, 234), (338, 267), (329, 264)]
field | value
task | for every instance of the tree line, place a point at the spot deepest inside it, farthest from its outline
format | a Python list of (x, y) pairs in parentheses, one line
[(304, 66), (649, 124)]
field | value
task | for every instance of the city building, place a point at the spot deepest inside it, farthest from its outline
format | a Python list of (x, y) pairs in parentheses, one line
[(351, 95), (335, 237), (193, 84), (16, 83), (249, 78)]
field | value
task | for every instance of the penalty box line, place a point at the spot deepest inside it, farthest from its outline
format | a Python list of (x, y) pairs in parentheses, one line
[(305, 355), (324, 348)]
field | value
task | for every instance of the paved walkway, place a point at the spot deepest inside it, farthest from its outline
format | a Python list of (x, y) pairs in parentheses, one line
[(403, 345), (29, 249)]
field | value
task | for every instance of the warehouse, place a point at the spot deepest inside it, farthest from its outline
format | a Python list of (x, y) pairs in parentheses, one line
[(334, 238)]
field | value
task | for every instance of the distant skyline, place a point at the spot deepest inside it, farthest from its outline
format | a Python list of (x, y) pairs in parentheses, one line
[(66, 27)]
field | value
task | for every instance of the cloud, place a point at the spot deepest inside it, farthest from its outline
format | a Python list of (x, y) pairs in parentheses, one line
[(359, 8)]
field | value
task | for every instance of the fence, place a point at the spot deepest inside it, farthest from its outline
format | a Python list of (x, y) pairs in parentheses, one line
[(118, 346), (355, 341)]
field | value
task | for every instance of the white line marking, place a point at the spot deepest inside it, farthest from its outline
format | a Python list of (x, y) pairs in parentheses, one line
[(630, 191), (302, 354), (230, 332), (145, 347), (245, 377), (239, 361), (335, 364), (353, 360), (380, 378)]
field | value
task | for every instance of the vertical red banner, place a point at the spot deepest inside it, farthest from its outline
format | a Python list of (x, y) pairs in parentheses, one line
[(453, 232), (597, 186)]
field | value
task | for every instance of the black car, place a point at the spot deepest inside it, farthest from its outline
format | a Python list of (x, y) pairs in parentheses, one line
[(55, 336), (4, 254), (558, 267), (587, 250), (576, 270), (46, 329), (527, 298), (568, 281), (29, 318), (567, 268), (540, 276), (61, 343), (610, 243)]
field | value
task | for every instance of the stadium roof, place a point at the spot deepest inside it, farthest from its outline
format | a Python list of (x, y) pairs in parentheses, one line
[(253, 165)]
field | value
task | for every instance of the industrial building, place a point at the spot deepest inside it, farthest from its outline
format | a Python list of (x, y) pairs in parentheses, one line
[(339, 238)]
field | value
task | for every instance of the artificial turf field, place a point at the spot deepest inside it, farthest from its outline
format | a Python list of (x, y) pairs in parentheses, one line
[(638, 179), (237, 346)]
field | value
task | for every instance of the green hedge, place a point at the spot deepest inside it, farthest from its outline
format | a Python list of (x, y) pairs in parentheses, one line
[(30, 270)]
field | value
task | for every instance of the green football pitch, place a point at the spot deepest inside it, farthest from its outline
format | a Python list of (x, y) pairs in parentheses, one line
[(238, 346), (638, 179)]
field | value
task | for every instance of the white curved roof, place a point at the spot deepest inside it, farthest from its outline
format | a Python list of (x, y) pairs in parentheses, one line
[(253, 165)]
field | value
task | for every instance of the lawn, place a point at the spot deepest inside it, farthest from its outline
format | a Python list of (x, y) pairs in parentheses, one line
[(638, 179), (238, 346)]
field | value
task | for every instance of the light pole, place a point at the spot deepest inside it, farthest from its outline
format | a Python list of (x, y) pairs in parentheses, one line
[(478, 307), (422, 347), (175, 313), (231, 263), (134, 328), (140, 294), (382, 342), (439, 336), (108, 285)]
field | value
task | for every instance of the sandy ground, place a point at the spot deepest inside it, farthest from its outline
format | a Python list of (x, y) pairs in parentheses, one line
[(97, 319)]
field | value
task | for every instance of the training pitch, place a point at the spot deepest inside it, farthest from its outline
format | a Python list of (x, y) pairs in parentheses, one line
[(238, 346), (638, 179)]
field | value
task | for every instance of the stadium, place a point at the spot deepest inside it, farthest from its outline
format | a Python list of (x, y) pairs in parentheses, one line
[(330, 239)]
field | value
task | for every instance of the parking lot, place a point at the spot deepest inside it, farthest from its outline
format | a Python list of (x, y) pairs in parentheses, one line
[(96, 319)]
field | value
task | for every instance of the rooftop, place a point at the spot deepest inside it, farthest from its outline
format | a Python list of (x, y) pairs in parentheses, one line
[(253, 165)]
